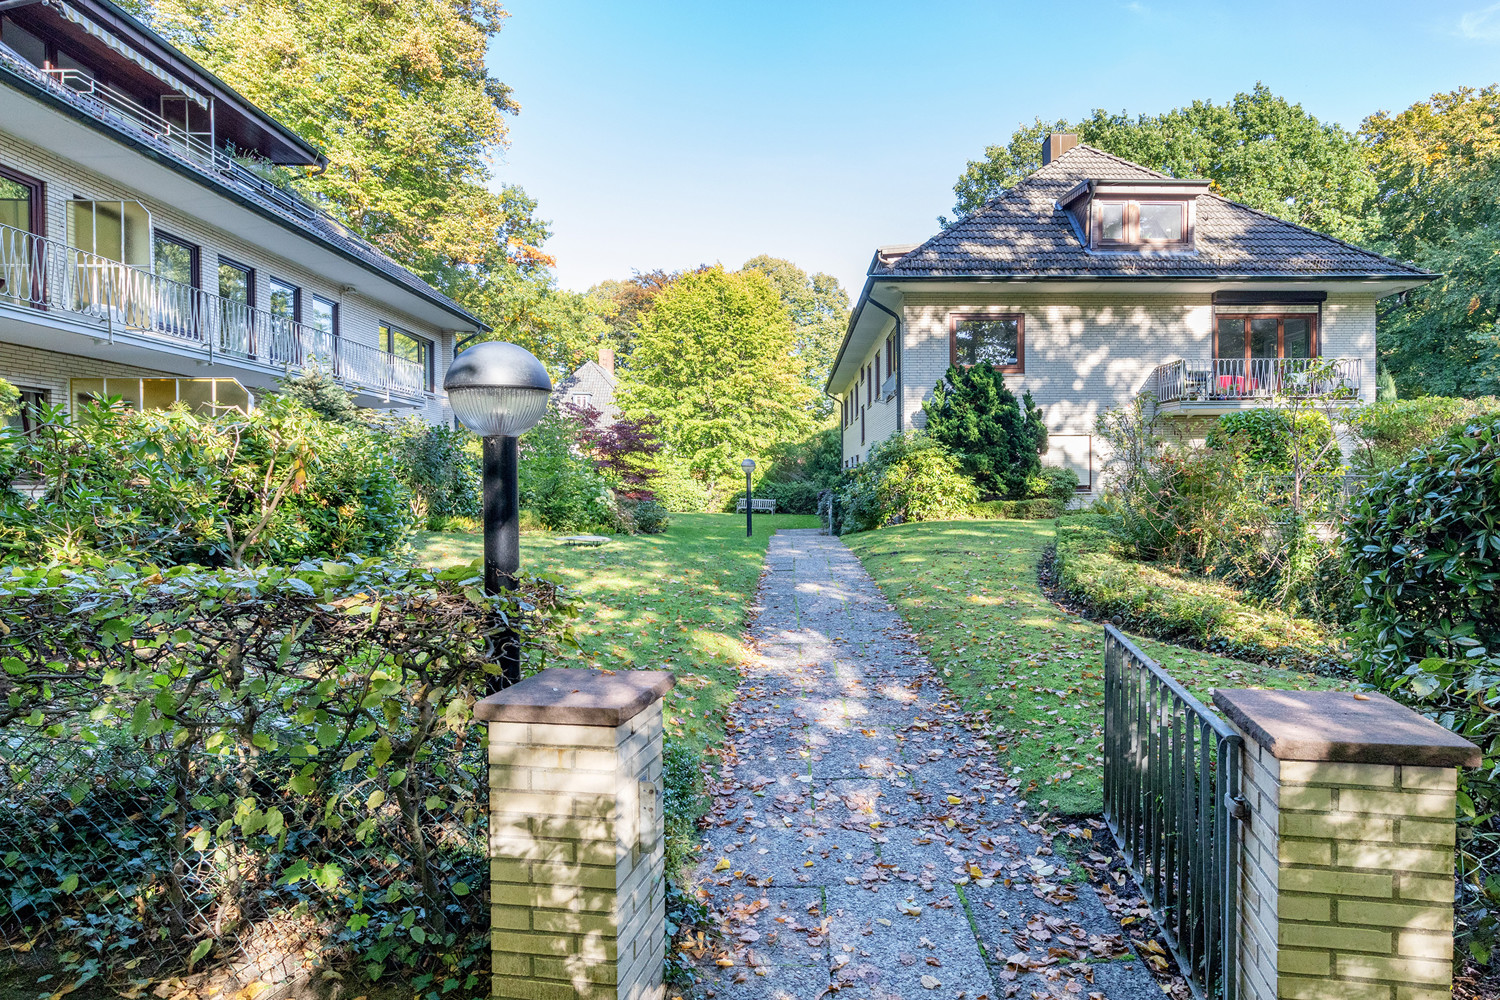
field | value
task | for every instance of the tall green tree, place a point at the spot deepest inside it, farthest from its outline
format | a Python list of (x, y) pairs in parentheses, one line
[(997, 439), (819, 310), (398, 97), (1258, 149), (1438, 165), (710, 361)]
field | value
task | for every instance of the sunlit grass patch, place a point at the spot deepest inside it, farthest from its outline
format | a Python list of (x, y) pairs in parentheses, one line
[(969, 590)]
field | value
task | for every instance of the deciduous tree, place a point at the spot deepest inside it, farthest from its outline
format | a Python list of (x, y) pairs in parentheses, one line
[(1438, 165), (819, 310), (710, 361)]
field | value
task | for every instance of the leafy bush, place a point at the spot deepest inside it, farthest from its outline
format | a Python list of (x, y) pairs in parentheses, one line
[(237, 758), (1178, 606), (1387, 432), (1423, 545), (441, 469), (1042, 509), (997, 440), (791, 498), (1267, 438), (908, 477), (650, 517), (173, 487), (559, 484), (677, 490), (1052, 483), (1216, 511)]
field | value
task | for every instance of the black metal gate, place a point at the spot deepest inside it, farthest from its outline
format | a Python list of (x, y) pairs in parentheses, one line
[(1172, 800)]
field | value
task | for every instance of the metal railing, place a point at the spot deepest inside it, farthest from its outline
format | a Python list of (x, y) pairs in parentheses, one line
[(1229, 379), (120, 109), (38, 272), (1172, 801)]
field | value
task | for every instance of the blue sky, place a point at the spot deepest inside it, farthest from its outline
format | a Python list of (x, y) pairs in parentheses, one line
[(672, 134)]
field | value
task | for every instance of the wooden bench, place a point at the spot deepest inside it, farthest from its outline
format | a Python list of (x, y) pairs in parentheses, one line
[(757, 506)]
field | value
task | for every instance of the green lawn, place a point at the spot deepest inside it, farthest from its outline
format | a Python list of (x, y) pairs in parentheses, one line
[(676, 600), (969, 590)]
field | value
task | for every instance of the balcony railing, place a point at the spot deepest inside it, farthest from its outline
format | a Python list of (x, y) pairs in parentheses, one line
[(49, 275), (1227, 380)]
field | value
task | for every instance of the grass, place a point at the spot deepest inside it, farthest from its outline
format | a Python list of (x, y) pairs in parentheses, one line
[(674, 601), (969, 590)]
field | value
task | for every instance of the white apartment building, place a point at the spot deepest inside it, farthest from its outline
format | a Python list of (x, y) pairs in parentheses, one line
[(143, 256)]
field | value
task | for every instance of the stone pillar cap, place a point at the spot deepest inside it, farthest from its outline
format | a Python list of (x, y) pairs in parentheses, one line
[(572, 696), (1367, 728)]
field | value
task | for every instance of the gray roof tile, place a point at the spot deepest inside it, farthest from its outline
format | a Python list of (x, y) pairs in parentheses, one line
[(1022, 232)]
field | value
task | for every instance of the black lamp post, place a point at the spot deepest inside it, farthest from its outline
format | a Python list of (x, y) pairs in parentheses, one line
[(499, 391), (749, 466)]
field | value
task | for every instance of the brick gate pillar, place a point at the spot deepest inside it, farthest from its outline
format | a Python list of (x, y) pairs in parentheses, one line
[(1346, 879), (577, 883)]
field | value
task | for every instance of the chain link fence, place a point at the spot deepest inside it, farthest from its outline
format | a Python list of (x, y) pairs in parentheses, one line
[(133, 861)]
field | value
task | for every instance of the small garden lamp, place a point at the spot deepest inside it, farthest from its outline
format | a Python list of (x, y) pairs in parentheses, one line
[(749, 466), (499, 391)]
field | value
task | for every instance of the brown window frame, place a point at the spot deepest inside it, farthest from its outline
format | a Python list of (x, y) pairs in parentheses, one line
[(954, 318), (1133, 224), (890, 354), (38, 221), (1281, 318), (388, 333)]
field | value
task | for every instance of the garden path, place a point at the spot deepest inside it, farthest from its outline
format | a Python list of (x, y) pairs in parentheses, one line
[(864, 839)]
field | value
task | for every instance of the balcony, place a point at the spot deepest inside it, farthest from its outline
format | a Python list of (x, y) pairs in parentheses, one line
[(1206, 387), (116, 300)]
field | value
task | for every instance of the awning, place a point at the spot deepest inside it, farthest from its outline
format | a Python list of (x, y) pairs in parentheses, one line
[(115, 43)]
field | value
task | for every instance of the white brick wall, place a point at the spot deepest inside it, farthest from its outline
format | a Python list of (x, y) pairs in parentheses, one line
[(1087, 353), (360, 313)]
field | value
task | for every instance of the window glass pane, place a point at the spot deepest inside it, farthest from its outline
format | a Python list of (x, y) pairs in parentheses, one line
[(322, 317), (1297, 336), (197, 394), (128, 389), (1263, 337), (158, 393), (28, 410), (85, 391), (283, 299), (1112, 221), (15, 204), (988, 341), (1232, 337), (27, 46), (1161, 221), (172, 259), (234, 283), (230, 394)]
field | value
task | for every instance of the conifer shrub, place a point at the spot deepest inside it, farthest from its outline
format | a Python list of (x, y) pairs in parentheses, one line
[(997, 439)]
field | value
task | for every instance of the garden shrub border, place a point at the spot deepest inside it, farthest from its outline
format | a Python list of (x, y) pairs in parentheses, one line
[(1177, 607)]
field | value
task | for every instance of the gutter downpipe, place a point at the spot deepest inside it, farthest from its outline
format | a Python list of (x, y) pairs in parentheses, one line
[(900, 362)]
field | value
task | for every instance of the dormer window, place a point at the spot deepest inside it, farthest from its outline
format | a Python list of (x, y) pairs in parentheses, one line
[(1160, 223), (1142, 214)]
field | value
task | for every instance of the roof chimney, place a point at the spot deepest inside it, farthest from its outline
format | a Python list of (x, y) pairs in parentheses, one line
[(1056, 145), (607, 359)]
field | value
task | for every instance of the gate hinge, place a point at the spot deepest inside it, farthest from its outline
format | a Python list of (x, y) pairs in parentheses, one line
[(1237, 806)]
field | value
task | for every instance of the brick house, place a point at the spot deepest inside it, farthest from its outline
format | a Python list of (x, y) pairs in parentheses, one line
[(142, 255), (1094, 280)]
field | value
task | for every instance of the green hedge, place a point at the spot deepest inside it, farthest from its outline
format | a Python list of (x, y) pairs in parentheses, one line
[(1041, 509), (1176, 606)]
